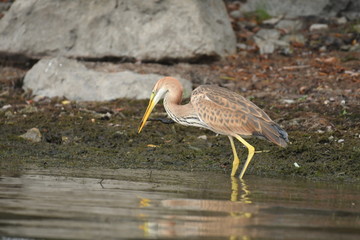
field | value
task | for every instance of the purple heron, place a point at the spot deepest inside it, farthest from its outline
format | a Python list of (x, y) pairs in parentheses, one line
[(219, 110)]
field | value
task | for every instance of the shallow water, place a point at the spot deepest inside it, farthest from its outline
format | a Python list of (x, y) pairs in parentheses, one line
[(137, 204)]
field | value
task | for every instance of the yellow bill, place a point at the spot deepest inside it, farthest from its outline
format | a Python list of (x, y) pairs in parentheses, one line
[(149, 108)]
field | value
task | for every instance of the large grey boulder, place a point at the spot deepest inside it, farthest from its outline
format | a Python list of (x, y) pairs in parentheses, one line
[(148, 30), (62, 77)]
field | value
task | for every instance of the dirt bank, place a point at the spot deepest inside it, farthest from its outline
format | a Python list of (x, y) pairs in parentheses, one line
[(315, 98)]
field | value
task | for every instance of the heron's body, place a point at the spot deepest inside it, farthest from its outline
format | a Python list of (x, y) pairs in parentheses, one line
[(219, 110)]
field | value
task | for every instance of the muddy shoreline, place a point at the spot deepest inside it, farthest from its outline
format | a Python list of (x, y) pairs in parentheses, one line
[(318, 105)]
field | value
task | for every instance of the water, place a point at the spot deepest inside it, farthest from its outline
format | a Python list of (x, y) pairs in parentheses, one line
[(141, 204)]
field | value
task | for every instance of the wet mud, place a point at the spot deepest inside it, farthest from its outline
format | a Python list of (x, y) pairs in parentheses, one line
[(104, 136)]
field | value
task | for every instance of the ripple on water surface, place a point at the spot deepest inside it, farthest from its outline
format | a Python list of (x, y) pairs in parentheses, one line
[(138, 204)]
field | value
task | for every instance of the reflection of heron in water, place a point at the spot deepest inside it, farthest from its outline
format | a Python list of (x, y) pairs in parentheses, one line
[(182, 218)]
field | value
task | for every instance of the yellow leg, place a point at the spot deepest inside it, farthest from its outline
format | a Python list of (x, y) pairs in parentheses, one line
[(250, 154), (236, 161)]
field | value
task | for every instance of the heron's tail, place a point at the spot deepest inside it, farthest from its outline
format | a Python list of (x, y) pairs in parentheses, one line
[(274, 133)]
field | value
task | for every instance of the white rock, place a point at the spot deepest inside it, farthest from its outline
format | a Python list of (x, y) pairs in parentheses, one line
[(319, 27), (236, 14), (268, 41), (289, 101), (203, 137), (341, 20), (299, 38), (290, 25), (62, 77), (33, 135), (5, 107), (272, 21), (268, 34)]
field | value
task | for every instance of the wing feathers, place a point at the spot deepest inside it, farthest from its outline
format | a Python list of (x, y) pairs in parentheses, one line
[(228, 113)]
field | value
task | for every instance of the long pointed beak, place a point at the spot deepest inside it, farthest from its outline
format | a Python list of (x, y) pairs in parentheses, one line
[(149, 108)]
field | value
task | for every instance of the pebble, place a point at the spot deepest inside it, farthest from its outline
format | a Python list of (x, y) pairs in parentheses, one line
[(288, 101), (272, 21), (7, 106), (341, 140), (294, 38), (329, 128), (319, 27), (9, 114), (323, 49), (341, 20), (33, 135), (29, 109), (236, 14), (290, 25), (203, 137), (242, 46)]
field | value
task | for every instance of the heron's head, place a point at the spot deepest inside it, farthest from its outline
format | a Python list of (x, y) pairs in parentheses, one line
[(158, 92)]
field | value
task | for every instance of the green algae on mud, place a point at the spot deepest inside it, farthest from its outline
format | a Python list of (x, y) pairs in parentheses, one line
[(82, 135)]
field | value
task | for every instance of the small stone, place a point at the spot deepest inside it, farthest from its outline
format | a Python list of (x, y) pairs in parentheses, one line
[(355, 48), (104, 116), (29, 109), (333, 41), (9, 114), (65, 140), (345, 47), (288, 101), (322, 49), (290, 25), (33, 135), (241, 46), (272, 21), (268, 41), (38, 98), (319, 27), (294, 38), (203, 137), (5, 107), (341, 20), (236, 14), (341, 140), (267, 34)]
